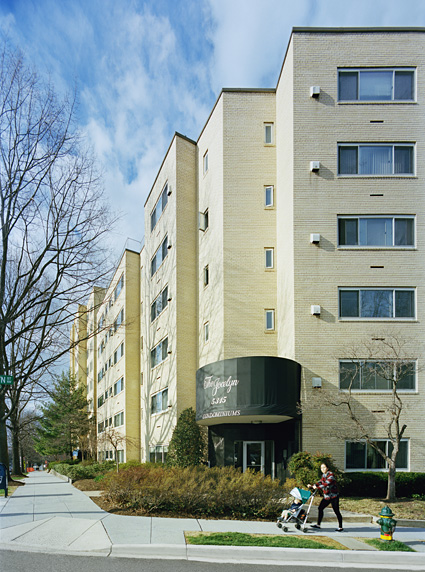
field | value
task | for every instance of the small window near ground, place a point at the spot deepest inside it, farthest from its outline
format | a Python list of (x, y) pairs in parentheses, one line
[(158, 454), (205, 163), (361, 456)]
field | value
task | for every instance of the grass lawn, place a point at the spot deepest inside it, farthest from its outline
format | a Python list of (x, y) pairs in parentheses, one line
[(403, 508), (394, 545), (265, 540), (10, 491)]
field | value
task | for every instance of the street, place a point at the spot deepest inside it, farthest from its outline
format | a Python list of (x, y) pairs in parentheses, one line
[(37, 562)]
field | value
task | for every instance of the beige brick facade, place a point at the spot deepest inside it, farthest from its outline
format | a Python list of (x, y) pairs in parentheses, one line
[(197, 298)]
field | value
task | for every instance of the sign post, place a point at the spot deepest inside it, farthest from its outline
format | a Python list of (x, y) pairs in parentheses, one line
[(6, 379)]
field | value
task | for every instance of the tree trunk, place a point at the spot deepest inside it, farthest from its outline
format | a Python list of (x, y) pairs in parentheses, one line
[(16, 465), (4, 453), (391, 494), (21, 460)]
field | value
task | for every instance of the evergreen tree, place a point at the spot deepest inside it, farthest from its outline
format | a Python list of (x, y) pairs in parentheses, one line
[(187, 445), (64, 424)]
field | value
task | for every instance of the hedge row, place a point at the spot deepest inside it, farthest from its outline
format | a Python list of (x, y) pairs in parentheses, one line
[(198, 491), (84, 470), (374, 485)]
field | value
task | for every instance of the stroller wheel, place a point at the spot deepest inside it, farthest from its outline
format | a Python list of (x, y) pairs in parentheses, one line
[(285, 529), (279, 524), (305, 529)]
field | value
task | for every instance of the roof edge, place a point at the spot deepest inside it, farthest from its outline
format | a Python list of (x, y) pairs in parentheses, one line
[(175, 136), (401, 30)]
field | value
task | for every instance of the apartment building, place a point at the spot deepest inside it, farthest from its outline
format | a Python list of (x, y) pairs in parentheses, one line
[(78, 342), (94, 302), (169, 299), (286, 238), (350, 205), (118, 364)]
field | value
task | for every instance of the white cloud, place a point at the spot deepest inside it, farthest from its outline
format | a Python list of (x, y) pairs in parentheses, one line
[(148, 68)]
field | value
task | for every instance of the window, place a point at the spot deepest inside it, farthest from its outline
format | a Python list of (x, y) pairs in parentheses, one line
[(159, 304), (206, 275), (159, 353), (120, 455), (376, 84), (101, 322), (119, 287), (203, 221), (383, 231), (100, 400), (268, 133), (159, 207), (119, 419), (205, 163), (206, 331), (269, 262), (119, 386), (159, 401), (377, 303), (377, 375), (119, 320), (159, 256), (269, 314), (360, 456), (100, 427), (118, 353), (158, 454), (269, 196), (374, 159)]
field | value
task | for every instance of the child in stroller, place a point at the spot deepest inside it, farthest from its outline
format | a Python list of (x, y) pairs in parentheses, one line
[(295, 512)]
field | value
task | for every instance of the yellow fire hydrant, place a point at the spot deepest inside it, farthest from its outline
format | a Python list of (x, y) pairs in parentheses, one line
[(387, 523)]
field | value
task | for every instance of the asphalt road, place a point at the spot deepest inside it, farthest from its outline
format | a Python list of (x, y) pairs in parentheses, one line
[(21, 561)]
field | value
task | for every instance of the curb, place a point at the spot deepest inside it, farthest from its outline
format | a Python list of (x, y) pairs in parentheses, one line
[(260, 555), (59, 476), (404, 522)]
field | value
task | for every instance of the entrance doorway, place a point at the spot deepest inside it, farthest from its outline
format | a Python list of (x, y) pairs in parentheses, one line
[(253, 455)]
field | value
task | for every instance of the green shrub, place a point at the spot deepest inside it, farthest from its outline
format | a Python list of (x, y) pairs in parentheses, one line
[(198, 491), (305, 468), (84, 471), (187, 445), (128, 464), (374, 485)]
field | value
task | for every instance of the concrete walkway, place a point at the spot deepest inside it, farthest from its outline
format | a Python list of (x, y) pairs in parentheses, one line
[(50, 515)]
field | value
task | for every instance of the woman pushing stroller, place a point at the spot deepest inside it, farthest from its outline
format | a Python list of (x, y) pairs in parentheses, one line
[(328, 486)]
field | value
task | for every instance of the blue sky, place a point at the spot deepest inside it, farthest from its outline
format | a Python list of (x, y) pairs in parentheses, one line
[(145, 69)]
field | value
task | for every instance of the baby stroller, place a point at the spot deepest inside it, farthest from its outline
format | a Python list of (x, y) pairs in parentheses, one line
[(297, 513)]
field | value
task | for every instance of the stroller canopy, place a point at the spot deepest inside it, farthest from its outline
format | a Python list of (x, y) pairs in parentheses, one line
[(300, 494)]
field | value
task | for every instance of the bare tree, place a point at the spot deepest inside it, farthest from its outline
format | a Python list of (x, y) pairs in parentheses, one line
[(382, 364), (22, 426), (113, 437), (53, 225)]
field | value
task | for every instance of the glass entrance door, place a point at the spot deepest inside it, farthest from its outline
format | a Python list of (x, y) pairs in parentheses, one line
[(253, 455)]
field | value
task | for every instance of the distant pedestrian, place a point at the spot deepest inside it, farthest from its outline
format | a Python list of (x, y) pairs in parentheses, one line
[(328, 486)]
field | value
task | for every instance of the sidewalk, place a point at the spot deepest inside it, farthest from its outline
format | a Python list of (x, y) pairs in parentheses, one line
[(50, 515)]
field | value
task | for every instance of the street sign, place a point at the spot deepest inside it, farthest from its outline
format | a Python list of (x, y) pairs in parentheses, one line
[(6, 379)]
